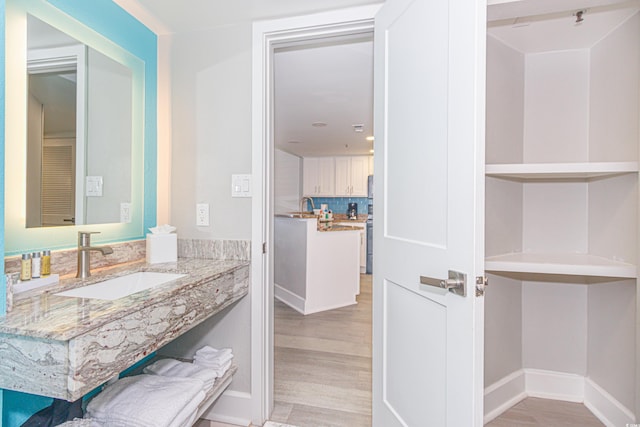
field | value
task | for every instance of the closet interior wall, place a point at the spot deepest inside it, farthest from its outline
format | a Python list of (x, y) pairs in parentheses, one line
[(568, 336)]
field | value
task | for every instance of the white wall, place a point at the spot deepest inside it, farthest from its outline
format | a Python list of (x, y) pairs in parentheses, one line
[(611, 357), (503, 205), (615, 67), (505, 103), (210, 104), (287, 189), (554, 327), (211, 135), (503, 328), (556, 105)]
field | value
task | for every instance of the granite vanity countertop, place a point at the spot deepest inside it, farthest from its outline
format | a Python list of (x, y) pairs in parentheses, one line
[(64, 347), (40, 313)]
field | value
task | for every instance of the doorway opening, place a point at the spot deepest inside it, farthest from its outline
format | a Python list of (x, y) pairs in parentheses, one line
[(269, 36), (322, 145)]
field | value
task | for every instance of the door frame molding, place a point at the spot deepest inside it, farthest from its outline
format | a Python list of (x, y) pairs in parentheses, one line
[(268, 35)]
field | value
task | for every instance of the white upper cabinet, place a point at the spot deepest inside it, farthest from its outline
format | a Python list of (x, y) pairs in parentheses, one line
[(318, 176), (351, 176)]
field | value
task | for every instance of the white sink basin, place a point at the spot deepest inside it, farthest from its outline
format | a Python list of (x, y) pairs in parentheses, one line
[(122, 286)]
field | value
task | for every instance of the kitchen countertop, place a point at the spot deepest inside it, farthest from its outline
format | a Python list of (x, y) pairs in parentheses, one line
[(337, 218), (64, 347)]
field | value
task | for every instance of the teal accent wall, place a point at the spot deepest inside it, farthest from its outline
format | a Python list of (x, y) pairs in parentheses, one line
[(113, 22), (3, 285)]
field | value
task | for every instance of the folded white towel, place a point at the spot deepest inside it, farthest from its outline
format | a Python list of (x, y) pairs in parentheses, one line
[(147, 401), (216, 367), (178, 369), (210, 352)]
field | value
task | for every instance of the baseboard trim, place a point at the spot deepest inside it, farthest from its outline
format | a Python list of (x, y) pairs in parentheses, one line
[(329, 307), (609, 410), (289, 298), (231, 408), (554, 385), (503, 394), (508, 391)]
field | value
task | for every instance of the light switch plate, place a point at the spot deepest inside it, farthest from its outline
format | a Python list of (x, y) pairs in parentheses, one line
[(240, 185), (93, 185), (202, 214)]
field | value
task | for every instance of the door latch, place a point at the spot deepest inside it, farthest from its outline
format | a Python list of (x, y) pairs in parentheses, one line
[(481, 283)]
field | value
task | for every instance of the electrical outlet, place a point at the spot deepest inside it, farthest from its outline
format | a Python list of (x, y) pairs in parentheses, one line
[(202, 214), (125, 212)]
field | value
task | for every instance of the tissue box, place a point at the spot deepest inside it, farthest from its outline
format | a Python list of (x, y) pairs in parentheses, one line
[(162, 248)]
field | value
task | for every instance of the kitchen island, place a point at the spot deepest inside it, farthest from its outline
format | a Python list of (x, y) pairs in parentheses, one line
[(316, 270)]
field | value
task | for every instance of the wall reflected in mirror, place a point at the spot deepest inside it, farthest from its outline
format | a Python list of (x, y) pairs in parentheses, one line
[(79, 132)]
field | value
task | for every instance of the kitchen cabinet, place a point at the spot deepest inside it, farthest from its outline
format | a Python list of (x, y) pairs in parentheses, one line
[(351, 176), (318, 176), (561, 219), (363, 242)]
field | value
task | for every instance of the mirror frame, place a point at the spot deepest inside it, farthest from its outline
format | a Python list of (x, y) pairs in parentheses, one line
[(107, 28)]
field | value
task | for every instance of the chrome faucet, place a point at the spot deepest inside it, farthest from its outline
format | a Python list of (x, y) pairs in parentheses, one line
[(84, 253), (302, 203)]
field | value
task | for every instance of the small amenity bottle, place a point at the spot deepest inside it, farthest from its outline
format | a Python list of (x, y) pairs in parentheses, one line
[(25, 267), (46, 263), (35, 265)]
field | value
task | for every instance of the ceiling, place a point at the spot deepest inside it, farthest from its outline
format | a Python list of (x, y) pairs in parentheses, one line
[(171, 16), (324, 99), (332, 83)]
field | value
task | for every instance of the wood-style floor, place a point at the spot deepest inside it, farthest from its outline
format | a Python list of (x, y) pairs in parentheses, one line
[(323, 373), (323, 365)]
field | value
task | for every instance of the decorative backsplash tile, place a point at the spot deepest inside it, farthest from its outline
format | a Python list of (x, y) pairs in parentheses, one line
[(215, 249), (340, 204)]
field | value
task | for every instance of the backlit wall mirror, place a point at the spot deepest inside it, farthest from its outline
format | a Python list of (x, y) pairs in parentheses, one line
[(79, 132), (79, 153)]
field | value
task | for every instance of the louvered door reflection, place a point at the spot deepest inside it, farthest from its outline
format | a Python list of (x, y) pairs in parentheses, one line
[(58, 182)]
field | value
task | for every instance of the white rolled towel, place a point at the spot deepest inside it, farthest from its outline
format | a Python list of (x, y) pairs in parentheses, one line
[(178, 369), (147, 401)]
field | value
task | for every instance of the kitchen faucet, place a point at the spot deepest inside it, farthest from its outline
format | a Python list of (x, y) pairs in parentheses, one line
[(302, 203), (84, 253)]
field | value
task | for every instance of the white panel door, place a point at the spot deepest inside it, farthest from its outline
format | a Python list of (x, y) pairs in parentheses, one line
[(428, 212)]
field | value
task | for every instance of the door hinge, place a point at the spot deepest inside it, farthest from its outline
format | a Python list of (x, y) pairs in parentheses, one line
[(481, 283), (264, 247)]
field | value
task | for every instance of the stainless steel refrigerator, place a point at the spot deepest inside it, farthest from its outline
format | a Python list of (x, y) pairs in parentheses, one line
[(369, 268)]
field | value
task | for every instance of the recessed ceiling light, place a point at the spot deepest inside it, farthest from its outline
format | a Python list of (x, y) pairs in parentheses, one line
[(318, 124), (371, 151), (369, 138)]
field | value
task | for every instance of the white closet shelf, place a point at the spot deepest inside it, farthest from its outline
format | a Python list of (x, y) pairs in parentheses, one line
[(560, 264), (528, 171)]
